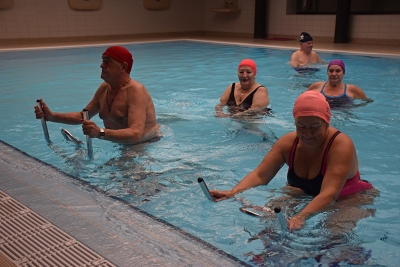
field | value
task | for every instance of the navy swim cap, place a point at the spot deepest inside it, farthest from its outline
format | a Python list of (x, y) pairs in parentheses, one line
[(305, 37)]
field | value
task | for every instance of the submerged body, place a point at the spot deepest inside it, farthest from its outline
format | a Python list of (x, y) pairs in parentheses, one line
[(337, 93), (124, 105), (313, 142), (246, 96)]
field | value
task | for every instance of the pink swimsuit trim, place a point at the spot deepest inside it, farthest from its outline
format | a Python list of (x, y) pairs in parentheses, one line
[(355, 185)]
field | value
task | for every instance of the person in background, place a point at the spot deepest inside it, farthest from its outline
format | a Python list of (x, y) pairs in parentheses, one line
[(322, 161), (305, 57), (245, 97), (124, 105), (335, 91)]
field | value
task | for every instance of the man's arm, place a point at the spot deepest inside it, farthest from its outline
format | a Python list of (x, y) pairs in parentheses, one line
[(65, 117), (294, 60), (319, 59)]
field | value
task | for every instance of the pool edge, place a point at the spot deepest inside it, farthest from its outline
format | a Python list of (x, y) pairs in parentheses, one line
[(43, 192)]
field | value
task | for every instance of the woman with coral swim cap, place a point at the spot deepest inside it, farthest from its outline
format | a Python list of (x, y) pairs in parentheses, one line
[(246, 96), (322, 161)]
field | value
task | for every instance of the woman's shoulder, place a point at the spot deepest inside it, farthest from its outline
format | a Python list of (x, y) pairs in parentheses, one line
[(287, 139), (341, 138), (316, 85), (260, 87)]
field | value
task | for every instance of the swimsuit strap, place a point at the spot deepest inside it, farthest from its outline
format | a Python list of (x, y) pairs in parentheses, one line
[(292, 152), (345, 87), (344, 92), (232, 91), (322, 89), (249, 99), (251, 95), (324, 159)]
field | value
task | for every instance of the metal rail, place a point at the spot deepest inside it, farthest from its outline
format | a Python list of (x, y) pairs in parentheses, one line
[(88, 139), (69, 137)]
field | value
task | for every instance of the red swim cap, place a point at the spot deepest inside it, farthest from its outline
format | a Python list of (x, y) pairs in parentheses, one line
[(312, 103), (250, 63), (120, 54)]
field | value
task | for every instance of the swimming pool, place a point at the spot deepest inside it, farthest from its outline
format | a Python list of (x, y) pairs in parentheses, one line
[(186, 80)]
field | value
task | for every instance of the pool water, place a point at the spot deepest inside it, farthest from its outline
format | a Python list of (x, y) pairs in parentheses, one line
[(186, 80)]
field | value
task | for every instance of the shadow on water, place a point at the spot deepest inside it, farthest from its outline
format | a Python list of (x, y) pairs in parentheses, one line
[(328, 239)]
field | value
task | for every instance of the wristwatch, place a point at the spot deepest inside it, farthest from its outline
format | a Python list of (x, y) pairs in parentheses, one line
[(102, 133)]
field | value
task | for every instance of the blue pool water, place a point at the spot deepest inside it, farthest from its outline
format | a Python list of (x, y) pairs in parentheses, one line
[(186, 80)]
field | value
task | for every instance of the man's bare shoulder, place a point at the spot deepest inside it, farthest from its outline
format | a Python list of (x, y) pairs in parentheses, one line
[(296, 53), (136, 90), (102, 88)]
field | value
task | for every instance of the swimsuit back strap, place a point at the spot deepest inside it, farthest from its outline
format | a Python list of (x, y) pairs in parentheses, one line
[(325, 158), (233, 91), (292, 152), (259, 87), (322, 89)]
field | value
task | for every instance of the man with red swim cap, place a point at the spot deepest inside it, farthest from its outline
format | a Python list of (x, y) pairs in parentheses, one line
[(321, 160), (305, 57), (124, 105), (337, 93)]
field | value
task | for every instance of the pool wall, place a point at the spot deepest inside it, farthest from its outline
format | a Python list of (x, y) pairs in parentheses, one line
[(54, 21)]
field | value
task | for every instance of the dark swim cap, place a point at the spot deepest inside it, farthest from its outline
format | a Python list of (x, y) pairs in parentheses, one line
[(338, 62), (305, 37)]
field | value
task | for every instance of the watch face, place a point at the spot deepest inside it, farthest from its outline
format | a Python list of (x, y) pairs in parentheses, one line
[(102, 133)]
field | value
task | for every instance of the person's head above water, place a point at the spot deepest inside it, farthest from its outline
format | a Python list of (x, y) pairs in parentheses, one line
[(305, 37), (250, 63), (120, 54), (312, 103), (339, 63)]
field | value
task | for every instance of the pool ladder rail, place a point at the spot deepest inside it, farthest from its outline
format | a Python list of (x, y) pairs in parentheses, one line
[(69, 137)]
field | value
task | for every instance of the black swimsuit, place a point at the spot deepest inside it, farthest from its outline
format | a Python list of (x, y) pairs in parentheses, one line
[(245, 105), (310, 186)]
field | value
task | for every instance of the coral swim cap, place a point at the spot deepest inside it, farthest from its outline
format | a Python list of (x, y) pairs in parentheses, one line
[(250, 63), (120, 54), (338, 62), (312, 103)]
